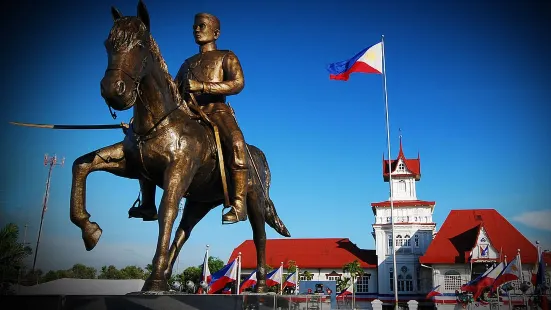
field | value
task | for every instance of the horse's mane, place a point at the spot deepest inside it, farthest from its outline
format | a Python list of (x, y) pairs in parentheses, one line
[(127, 33)]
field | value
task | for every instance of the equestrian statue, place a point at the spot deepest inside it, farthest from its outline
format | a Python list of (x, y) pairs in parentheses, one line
[(181, 135)]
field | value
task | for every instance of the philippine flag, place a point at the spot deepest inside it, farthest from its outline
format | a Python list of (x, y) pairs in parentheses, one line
[(347, 291), (510, 273), (205, 274), (291, 280), (471, 285), (435, 292), (369, 60), (488, 280), (249, 282), (274, 277), (223, 276)]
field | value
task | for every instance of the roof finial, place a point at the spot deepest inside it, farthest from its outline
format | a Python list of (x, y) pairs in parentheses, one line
[(401, 151)]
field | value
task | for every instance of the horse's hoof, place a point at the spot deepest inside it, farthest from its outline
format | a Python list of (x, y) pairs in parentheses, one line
[(155, 285), (146, 214), (91, 235)]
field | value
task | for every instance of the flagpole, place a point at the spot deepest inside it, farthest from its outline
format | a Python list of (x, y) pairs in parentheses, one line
[(203, 275), (238, 273), (297, 278), (207, 262), (395, 278), (281, 281)]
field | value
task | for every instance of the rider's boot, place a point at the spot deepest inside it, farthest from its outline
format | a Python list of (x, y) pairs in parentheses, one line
[(238, 211), (146, 209)]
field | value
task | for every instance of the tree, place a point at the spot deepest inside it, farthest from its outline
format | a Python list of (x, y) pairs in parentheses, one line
[(215, 264), (343, 284), (80, 271), (192, 274), (12, 253), (110, 272), (131, 272), (355, 271)]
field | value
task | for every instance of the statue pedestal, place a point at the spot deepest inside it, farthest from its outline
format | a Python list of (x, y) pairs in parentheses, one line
[(145, 301)]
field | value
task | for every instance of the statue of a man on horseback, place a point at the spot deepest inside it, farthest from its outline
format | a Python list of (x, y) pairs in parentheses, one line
[(206, 79)]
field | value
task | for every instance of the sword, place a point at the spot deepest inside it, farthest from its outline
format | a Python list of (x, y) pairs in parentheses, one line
[(50, 126)]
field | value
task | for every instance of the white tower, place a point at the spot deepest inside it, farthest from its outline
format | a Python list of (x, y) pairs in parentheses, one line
[(413, 227)]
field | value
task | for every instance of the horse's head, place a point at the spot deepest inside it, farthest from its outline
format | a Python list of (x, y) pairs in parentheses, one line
[(129, 57)]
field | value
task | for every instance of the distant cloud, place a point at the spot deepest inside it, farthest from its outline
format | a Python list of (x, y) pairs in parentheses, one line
[(536, 219)]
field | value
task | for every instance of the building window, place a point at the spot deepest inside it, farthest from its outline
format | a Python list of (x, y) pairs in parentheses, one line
[(362, 284), (333, 278), (401, 167), (416, 238), (399, 240), (452, 280), (306, 277), (402, 186), (407, 240)]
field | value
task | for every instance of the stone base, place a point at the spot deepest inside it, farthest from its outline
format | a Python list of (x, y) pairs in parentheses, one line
[(143, 301)]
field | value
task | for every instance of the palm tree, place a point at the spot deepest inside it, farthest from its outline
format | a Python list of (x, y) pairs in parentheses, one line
[(355, 271), (12, 253)]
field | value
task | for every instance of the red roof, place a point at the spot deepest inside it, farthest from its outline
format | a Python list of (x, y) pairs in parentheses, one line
[(307, 253), (457, 237), (413, 165)]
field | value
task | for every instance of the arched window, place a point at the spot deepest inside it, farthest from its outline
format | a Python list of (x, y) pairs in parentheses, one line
[(405, 280), (402, 186), (407, 240), (399, 240), (452, 280)]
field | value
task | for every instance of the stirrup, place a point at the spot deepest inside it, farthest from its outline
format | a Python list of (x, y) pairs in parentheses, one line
[(236, 215)]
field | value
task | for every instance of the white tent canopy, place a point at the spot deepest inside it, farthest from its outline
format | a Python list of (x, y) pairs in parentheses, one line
[(82, 287)]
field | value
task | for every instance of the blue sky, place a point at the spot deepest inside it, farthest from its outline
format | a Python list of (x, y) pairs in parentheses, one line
[(467, 84)]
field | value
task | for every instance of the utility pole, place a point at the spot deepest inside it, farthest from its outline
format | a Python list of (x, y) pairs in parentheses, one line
[(52, 162)]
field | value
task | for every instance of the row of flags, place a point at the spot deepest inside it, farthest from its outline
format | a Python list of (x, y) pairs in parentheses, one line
[(231, 272), (499, 275)]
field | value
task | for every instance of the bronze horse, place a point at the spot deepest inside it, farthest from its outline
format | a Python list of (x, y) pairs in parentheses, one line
[(166, 144)]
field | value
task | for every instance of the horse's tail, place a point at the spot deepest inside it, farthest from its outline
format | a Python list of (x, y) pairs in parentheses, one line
[(270, 213)]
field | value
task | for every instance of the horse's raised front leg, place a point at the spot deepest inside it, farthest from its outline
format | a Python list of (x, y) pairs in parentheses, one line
[(110, 159), (255, 206), (194, 212), (178, 177)]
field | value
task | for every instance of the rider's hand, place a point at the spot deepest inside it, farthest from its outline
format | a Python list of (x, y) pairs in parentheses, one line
[(193, 86), (125, 127)]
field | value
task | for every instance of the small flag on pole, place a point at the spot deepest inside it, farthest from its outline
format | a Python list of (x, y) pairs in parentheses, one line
[(249, 282), (369, 60), (434, 292), (291, 280), (224, 276), (274, 277), (205, 274)]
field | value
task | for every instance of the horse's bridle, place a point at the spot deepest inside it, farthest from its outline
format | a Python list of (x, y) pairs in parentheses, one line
[(136, 79)]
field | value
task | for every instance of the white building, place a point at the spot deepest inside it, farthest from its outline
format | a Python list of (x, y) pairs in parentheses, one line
[(468, 243)]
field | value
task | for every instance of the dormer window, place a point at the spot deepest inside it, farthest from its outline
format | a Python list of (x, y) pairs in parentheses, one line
[(401, 167)]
